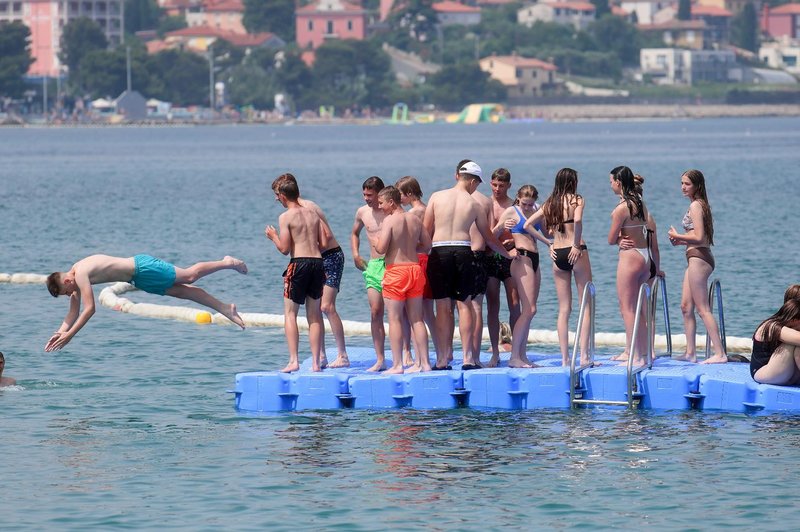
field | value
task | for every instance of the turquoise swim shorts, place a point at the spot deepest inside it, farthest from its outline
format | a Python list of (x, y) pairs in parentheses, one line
[(373, 275), (153, 275)]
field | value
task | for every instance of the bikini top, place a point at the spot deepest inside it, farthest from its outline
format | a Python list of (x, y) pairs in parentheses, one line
[(643, 226), (688, 225), (520, 227)]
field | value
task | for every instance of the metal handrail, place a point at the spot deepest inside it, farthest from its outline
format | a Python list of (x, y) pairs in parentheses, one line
[(716, 289), (642, 299), (661, 286), (588, 297)]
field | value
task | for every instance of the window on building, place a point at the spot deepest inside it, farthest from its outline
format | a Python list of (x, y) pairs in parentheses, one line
[(690, 36), (789, 60), (534, 73), (3, 7), (16, 7), (310, 25), (349, 25), (330, 27), (518, 73)]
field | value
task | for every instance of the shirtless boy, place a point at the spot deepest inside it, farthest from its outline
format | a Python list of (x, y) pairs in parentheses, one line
[(500, 269), (333, 262), (411, 196), (147, 273), (400, 238), (300, 235), (370, 217), (451, 271), (9, 381)]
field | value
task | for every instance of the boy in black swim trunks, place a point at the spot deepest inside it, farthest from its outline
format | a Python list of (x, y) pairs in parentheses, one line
[(301, 235)]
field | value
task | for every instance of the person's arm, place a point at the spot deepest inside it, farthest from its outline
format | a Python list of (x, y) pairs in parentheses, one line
[(790, 336), (576, 252), (694, 236), (355, 241), (428, 220), (491, 240), (617, 219), (282, 240), (87, 302), (324, 234), (424, 244), (654, 251), (500, 226), (72, 315), (381, 243)]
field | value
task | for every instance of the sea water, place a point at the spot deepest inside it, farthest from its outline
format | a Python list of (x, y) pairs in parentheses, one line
[(131, 426)]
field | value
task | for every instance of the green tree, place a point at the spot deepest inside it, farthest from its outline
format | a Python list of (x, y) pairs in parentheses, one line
[(104, 72), (80, 36), (744, 28), (601, 8), (275, 16), (15, 57), (350, 72), (294, 78), (168, 24), (141, 15), (414, 27), (178, 77), (249, 84), (684, 10), (456, 85), (616, 35)]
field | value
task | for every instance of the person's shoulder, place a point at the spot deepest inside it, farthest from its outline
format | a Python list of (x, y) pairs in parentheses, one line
[(7, 381)]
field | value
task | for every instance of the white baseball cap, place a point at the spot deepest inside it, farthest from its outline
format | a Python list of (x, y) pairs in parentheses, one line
[(472, 169)]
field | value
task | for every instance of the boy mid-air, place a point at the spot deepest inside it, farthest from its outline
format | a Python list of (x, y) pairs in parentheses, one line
[(147, 273)]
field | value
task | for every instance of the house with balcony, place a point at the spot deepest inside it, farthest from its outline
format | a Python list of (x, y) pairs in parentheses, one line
[(783, 54), (679, 33), (718, 22), (576, 14), (676, 66), (451, 13), (329, 19), (199, 38), (225, 15), (523, 77)]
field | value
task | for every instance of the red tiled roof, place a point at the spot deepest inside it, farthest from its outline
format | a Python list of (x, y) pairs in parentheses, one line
[(710, 11), (330, 6), (223, 5), (619, 12), (577, 6), (248, 39), (786, 9), (176, 4), (448, 6), (522, 62), (236, 39)]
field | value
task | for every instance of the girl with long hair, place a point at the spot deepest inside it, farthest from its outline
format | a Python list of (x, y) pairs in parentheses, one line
[(629, 223), (776, 347), (698, 238), (562, 214)]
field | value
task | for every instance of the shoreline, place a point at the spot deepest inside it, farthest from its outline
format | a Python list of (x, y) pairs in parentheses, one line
[(513, 113)]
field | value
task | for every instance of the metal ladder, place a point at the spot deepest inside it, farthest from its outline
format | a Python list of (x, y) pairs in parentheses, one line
[(644, 300), (575, 390), (660, 285), (716, 290)]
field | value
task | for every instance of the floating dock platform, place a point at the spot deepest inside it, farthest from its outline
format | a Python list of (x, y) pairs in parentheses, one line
[(668, 385)]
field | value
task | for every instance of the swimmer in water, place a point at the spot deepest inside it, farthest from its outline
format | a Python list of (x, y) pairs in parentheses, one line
[(5, 381)]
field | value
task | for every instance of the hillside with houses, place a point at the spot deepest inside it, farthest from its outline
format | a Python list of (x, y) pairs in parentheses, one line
[(278, 59)]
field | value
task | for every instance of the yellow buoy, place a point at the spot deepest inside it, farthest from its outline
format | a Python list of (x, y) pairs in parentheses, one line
[(203, 318)]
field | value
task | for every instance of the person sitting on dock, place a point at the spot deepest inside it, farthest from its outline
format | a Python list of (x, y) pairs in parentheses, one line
[(401, 236), (5, 381), (776, 347), (147, 273), (301, 235)]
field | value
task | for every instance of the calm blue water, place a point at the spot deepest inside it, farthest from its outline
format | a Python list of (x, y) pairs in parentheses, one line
[(130, 425)]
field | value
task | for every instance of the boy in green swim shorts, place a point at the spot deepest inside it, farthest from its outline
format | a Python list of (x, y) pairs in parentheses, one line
[(370, 217), (147, 273)]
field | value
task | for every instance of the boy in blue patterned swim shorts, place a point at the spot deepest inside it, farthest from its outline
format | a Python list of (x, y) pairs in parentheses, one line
[(147, 273)]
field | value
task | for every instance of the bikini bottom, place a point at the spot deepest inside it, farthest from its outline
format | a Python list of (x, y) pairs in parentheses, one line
[(532, 255), (703, 254)]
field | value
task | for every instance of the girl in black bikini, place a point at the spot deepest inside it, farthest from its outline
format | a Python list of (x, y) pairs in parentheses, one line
[(563, 218), (698, 239), (776, 347), (525, 270)]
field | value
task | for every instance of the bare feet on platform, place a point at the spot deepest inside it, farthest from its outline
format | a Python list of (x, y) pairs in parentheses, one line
[(594, 364), (291, 367), (341, 362), (408, 358), (323, 362), (686, 357), (235, 264), (233, 315), (716, 359), (378, 366), (638, 361), (494, 361), (622, 357), (518, 363), (394, 370)]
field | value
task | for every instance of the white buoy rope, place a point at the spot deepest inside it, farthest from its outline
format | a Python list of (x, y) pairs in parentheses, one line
[(110, 297)]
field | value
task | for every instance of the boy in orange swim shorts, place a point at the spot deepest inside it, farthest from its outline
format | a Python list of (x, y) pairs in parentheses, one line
[(400, 237)]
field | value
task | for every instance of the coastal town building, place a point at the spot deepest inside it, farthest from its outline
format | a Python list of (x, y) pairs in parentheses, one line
[(783, 54), (523, 77), (47, 18), (781, 21), (717, 19), (198, 38), (676, 66), (576, 14), (679, 33), (225, 15), (450, 13), (329, 19), (645, 10), (734, 6)]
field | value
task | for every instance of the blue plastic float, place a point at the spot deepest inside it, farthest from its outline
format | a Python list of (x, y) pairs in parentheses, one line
[(669, 385)]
